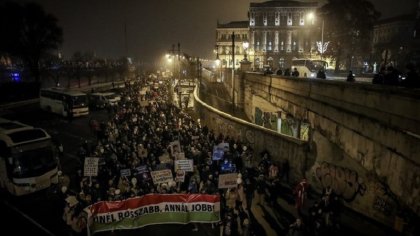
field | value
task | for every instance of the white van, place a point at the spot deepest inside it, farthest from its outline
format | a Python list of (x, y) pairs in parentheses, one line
[(308, 68), (101, 100)]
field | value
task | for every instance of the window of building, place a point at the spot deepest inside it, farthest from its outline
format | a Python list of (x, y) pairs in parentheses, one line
[(282, 46), (289, 19), (277, 20), (265, 19), (301, 19), (281, 62), (269, 46), (252, 19)]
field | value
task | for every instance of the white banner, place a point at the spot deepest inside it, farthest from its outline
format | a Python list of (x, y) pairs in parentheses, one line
[(185, 165), (91, 166)]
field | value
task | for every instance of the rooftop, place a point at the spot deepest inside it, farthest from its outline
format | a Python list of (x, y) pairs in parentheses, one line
[(234, 24), (284, 3)]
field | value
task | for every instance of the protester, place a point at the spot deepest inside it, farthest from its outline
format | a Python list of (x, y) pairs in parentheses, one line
[(350, 77)]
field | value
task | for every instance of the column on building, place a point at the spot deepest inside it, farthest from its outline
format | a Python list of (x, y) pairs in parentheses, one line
[(269, 40), (288, 41), (276, 41), (264, 41), (252, 40), (300, 37)]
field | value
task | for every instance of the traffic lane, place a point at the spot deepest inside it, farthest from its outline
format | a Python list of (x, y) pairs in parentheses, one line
[(38, 211), (16, 222), (40, 206)]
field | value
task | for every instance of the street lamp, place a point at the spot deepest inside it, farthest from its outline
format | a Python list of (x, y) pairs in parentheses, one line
[(233, 72), (321, 45)]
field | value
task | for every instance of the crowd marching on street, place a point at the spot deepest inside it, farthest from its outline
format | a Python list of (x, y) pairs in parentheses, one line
[(145, 129)]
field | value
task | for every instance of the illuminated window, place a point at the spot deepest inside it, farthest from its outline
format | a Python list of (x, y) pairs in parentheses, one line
[(252, 19), (301, 19)]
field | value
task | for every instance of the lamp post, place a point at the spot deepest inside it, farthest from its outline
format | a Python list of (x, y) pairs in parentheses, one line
[(321, 45), (324, 47), (233, 72)]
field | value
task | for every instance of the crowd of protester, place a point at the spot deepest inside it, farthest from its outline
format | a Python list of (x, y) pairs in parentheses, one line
[(141, 131)]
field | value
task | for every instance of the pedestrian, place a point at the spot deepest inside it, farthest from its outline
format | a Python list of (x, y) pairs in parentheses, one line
[(321, 74), (297, 228), (260, 190), (300, 192), (379, 78), (350, 77), (285, 169), (392, 76), (295, 73)]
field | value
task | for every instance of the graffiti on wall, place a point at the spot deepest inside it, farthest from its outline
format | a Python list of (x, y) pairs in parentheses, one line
[(235, 131), (249, 135), (225, 127), (383, 205), (385, 200), (345, 182)]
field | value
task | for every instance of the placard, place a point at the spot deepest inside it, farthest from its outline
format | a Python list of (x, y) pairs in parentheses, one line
[(161, 176), (185, 165), (228, 180), (217, 153), (180, 176), (125, 172), (91, 166)]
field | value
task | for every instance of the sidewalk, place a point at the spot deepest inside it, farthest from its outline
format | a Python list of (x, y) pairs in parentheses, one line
[(275, 219)]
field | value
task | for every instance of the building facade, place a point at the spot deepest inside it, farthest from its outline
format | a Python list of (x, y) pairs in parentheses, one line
[(224, 42), (395, 41), (281, 30)]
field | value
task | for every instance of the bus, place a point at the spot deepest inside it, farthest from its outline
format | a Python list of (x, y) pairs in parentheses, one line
[(308, 67), (28, 158), (64, 102)]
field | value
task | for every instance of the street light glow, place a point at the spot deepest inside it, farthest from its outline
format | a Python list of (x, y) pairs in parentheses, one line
[(321, 45), (245, 45)]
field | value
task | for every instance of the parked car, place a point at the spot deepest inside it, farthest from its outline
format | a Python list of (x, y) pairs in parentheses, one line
[(103, 99)]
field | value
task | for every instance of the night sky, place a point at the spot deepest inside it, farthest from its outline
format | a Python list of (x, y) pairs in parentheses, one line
[(154, 25)]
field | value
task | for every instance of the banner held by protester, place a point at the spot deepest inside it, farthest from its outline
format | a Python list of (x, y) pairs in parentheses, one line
[(153, 209)]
